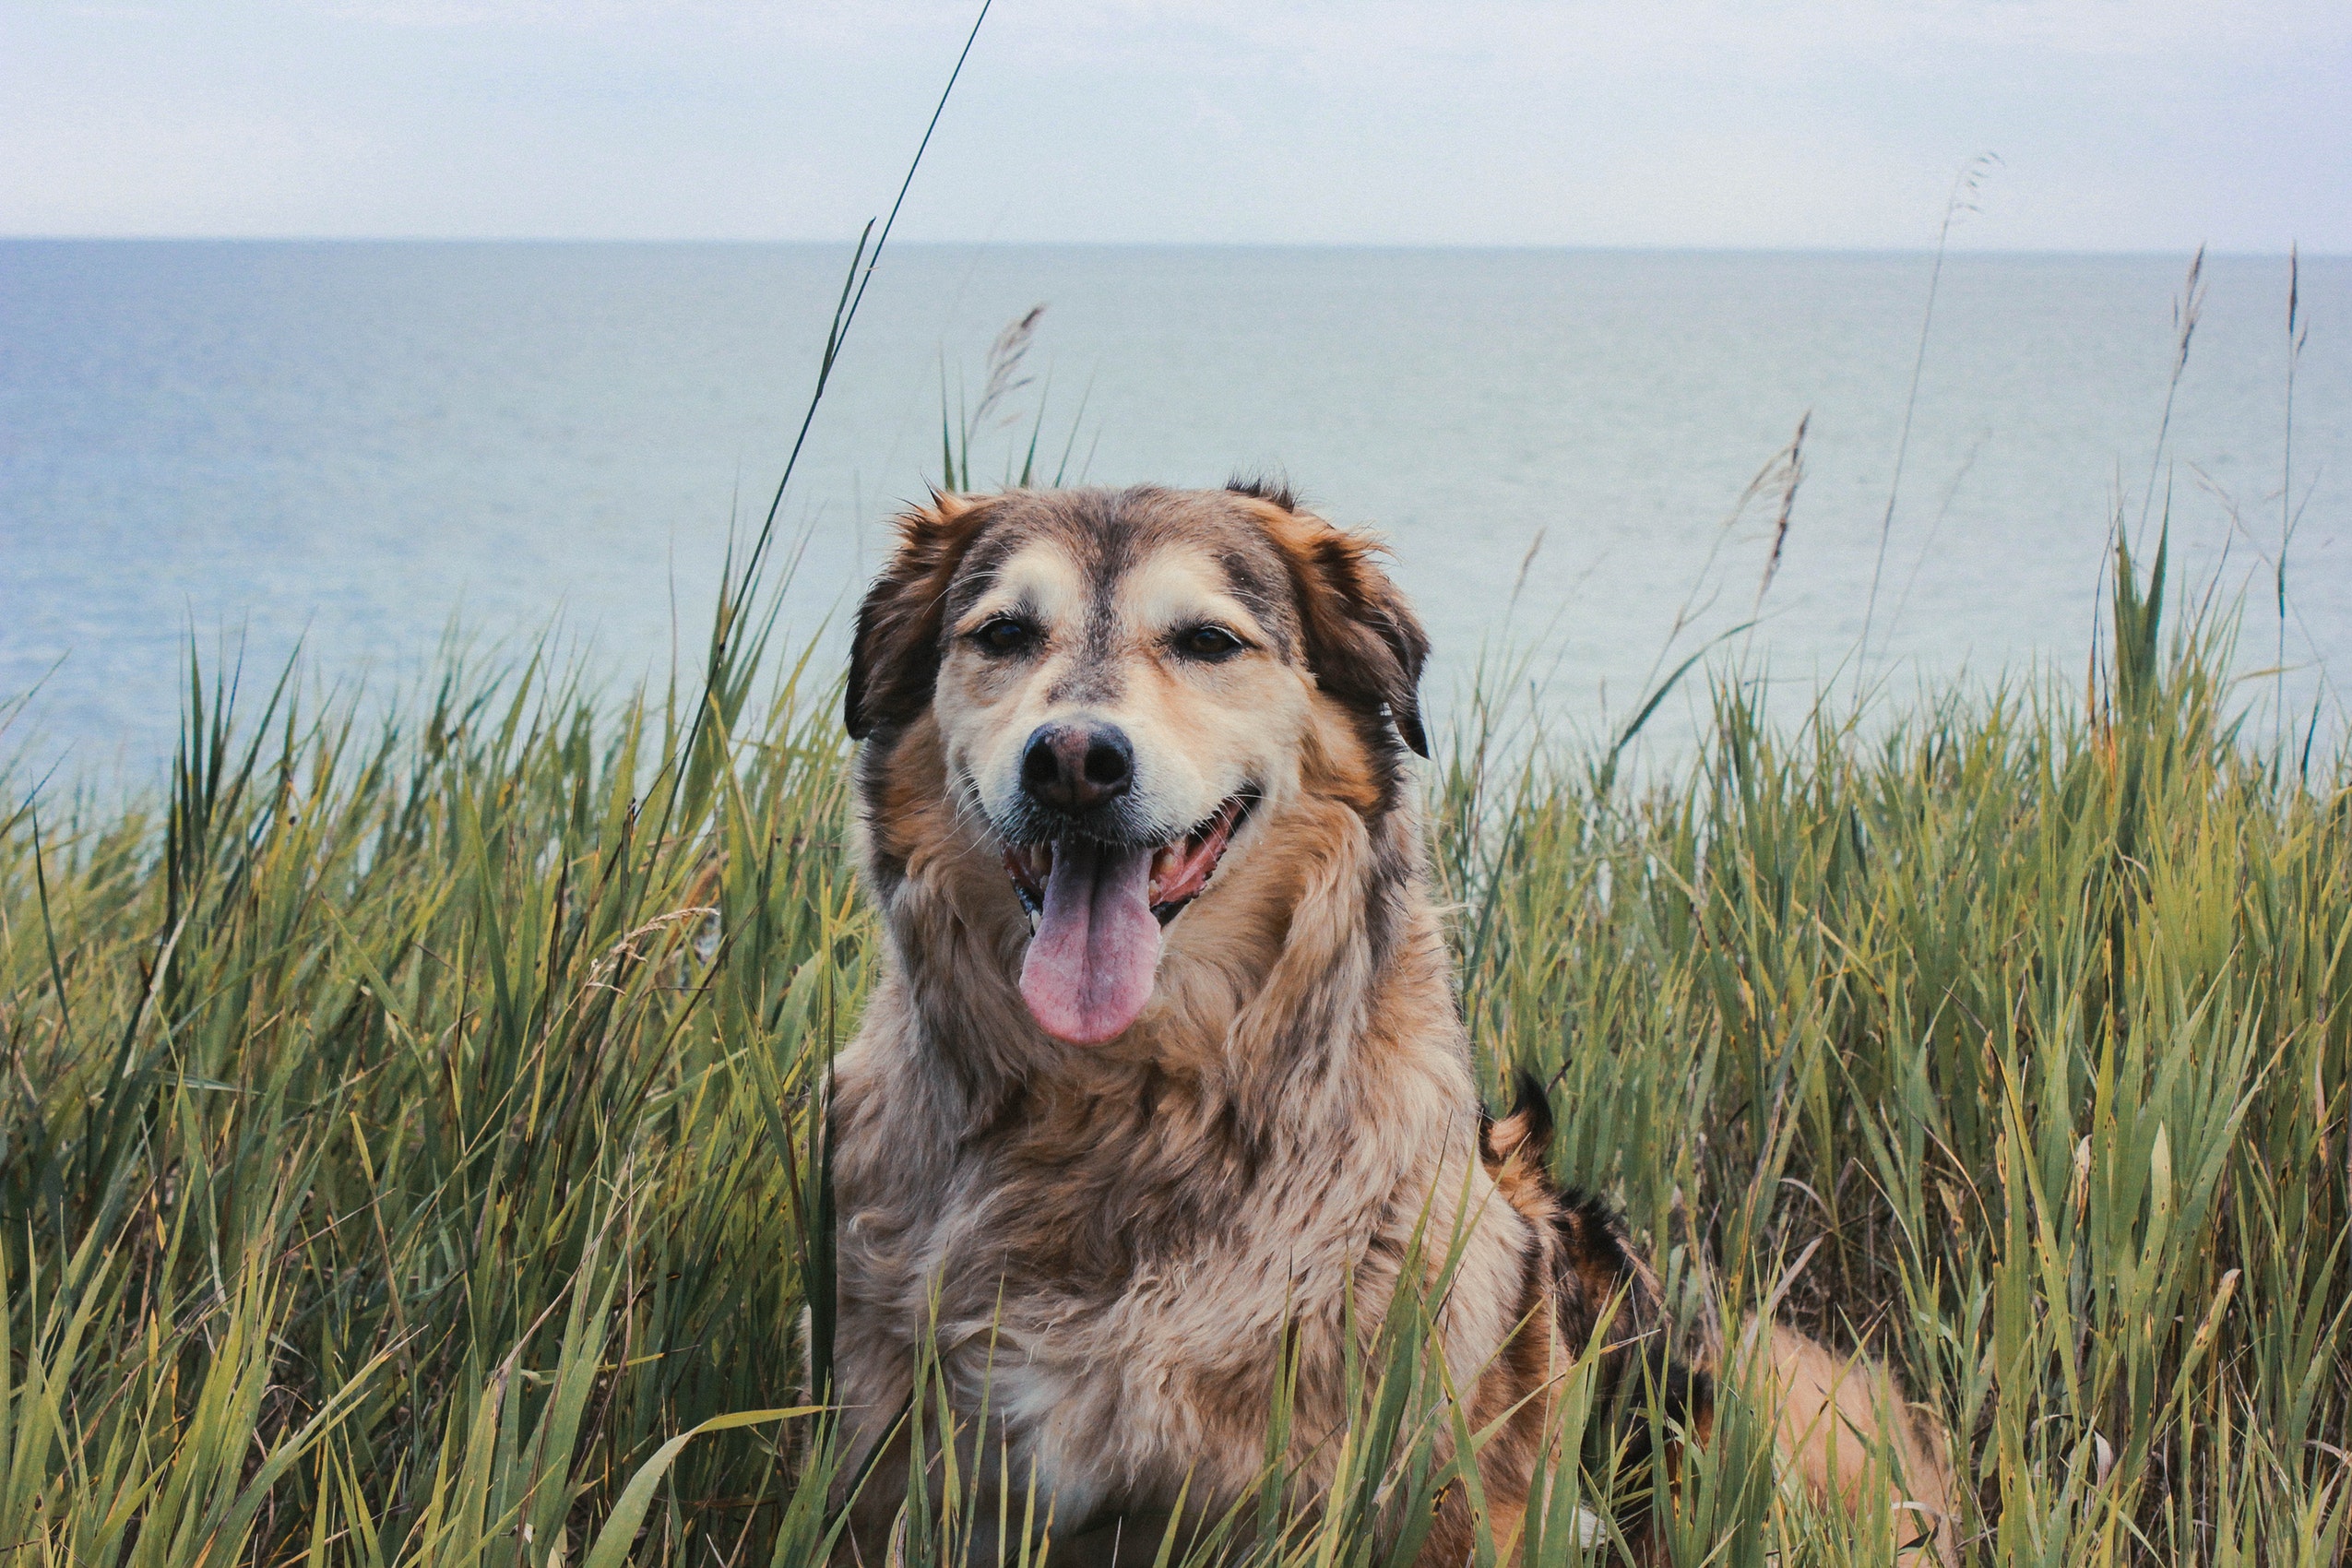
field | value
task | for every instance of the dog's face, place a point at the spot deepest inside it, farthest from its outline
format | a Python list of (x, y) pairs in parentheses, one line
[(1125, 687)]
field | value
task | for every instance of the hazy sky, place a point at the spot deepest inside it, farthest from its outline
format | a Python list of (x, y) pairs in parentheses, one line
[(2148, 124)]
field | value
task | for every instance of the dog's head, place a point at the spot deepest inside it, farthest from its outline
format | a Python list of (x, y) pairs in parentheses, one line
[(1128, 687)]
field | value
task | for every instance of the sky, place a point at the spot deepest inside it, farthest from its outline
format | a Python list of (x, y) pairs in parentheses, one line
[(2147, 125)]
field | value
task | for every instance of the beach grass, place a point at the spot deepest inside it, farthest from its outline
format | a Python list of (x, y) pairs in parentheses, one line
[(408, 1155)]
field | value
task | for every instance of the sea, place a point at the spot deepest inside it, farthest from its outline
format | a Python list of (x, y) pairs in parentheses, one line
[(1856, 477)]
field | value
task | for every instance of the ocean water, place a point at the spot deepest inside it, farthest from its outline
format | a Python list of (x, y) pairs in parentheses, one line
[(352, 448)]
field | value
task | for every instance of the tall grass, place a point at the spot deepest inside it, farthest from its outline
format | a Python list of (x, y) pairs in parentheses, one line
[(409, 1138), (399, 1147)]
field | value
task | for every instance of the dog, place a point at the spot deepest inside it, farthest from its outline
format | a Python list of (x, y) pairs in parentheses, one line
[(1163, 1085)]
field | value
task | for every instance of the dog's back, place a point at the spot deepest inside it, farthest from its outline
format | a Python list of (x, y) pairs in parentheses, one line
[(1842, 1421)]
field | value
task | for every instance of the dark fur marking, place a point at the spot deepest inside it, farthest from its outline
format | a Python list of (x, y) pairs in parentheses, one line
[(1263, 592), (1094, 681), (1530, 1119), (1596, 1271), (981, 563), (1272, 488), (1111, 555)]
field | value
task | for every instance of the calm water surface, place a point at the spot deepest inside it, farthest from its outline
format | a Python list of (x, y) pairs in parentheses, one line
[(349, 447)]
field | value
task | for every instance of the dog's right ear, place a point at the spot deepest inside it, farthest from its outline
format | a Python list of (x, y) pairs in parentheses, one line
[(894, 661)]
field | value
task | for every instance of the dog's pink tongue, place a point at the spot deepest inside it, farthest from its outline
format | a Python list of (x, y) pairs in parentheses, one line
[(1089, 968)]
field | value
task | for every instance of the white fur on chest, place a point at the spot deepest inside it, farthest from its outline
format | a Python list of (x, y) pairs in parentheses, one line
[(1101, 1395), (1034, 1410), (1116, 1395)]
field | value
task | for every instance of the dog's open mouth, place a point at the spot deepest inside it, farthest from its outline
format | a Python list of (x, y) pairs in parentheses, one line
[(1097, 910), (1176, 872)]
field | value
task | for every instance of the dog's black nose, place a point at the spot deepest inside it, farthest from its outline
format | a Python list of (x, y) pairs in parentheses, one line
[(1076, 767)]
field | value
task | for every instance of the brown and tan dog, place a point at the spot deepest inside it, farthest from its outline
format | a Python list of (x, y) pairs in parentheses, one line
[(1165, 1062)]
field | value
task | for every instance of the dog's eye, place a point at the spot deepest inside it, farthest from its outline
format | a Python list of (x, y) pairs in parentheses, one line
[(1006, 634), (1208, 642)]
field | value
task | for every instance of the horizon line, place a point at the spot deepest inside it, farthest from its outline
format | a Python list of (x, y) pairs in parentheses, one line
[(1600, 247)]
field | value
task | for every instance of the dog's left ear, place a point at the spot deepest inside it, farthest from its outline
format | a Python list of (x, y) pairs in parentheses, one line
[(894, 662), (1363, 642)]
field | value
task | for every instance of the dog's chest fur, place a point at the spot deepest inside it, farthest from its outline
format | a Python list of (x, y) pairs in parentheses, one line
[(1112, 1263)]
